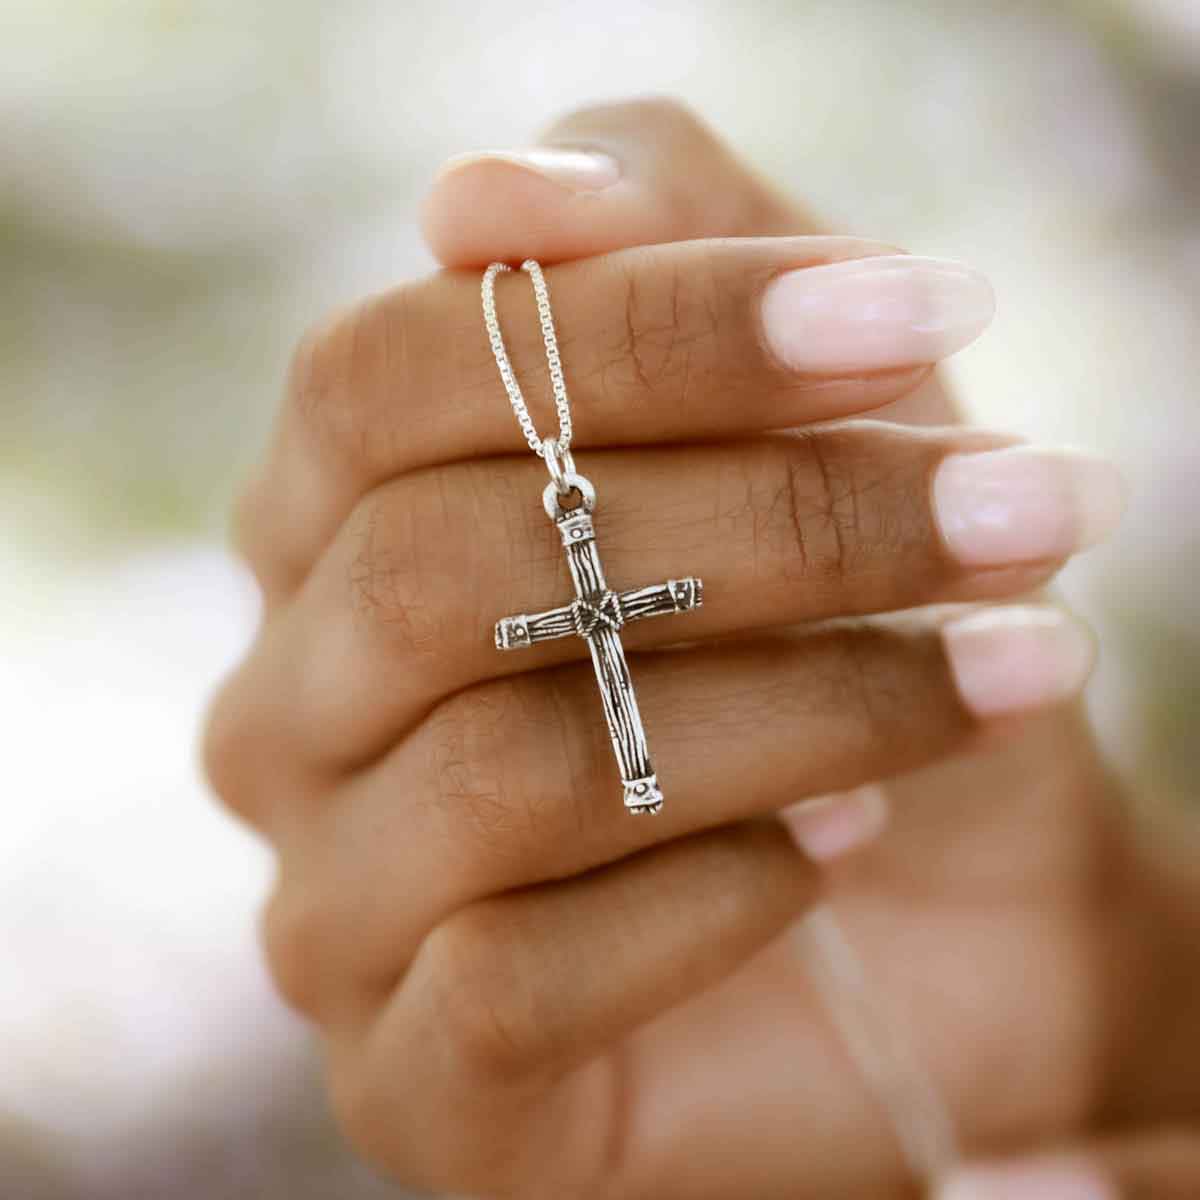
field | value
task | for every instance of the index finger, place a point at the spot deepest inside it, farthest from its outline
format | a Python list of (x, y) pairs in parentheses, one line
[(630, 173), (690, 341)]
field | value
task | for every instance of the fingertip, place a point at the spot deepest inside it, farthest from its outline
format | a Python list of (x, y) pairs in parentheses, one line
[(475, 204), (603, 178), (1052, 1179), (512, 205), (829, 827), (874, 312), (1020, 504), (1018, 658)]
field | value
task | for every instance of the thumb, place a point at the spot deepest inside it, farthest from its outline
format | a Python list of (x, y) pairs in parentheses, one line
[(604, 178), (1155, 1165)]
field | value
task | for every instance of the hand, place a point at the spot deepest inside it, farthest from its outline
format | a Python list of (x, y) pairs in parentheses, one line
[(527, 992)]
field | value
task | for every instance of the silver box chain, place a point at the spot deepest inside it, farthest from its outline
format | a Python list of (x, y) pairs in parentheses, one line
[(561, 402)]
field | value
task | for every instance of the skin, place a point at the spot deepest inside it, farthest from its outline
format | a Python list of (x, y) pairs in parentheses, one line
[(523, 991)]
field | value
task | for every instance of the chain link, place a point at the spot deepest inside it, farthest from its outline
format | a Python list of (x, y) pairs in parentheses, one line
[(562, 404)]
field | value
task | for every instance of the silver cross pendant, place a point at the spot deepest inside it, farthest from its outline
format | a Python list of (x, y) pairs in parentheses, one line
[(597, 614)]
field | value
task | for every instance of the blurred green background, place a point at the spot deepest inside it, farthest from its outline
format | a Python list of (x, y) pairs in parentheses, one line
[(185, 186)]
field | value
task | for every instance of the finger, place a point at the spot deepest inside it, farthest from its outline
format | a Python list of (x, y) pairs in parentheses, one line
[(509, 993), (636, 173), (842, 521), (611, 176), (514, 782), (680, 342), (1153, 1165)]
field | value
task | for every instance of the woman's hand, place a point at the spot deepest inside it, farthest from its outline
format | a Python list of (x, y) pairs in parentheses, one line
[(527, 992)]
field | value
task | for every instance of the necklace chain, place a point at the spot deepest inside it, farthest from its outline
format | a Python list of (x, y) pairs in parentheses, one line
[(562, 404)]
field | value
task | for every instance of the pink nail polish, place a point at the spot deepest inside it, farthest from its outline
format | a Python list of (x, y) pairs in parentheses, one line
[(827, 827), (1025, 504), (1017, 658), (870, 314), (1066, 1180), (576, 170)]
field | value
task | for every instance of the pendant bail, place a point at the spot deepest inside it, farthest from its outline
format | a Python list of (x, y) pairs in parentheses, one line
[(575, 483), (559, 463)]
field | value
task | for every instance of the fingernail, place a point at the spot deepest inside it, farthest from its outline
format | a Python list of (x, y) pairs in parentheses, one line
[(1012, 659), (871, 313), (1040, 1181), (829, 826), (1025, 504), (578, 170)]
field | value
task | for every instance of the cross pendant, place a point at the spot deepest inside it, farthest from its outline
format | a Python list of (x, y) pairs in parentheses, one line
[(597, 614)]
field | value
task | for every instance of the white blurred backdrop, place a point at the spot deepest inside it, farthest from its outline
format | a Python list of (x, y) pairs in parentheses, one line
[(184, 186)]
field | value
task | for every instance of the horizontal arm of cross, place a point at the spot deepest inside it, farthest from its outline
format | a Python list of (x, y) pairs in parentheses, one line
[(676, 595)]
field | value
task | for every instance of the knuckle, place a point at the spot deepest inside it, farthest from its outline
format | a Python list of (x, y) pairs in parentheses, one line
[(277, 564), (359, 1107), (822, 503), (355, 1107), (867, 684), (292, 930), (495, 750), (469, 748), (248, 508), (672, 325), (227, 752), (484, 1013), (310, 378), (392, 571), (247, 750), (365, 1106), (872, 678), (347, 371), (443, 1140), (847, 506)]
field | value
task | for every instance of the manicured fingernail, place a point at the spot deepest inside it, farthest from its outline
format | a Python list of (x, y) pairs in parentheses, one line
[(578, 170), (1012, 659), (868, 314), (1036, 1181), (1025, 504), (830, 826)]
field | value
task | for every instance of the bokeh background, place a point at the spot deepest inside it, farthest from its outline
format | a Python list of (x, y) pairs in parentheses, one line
[(186, 184)]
